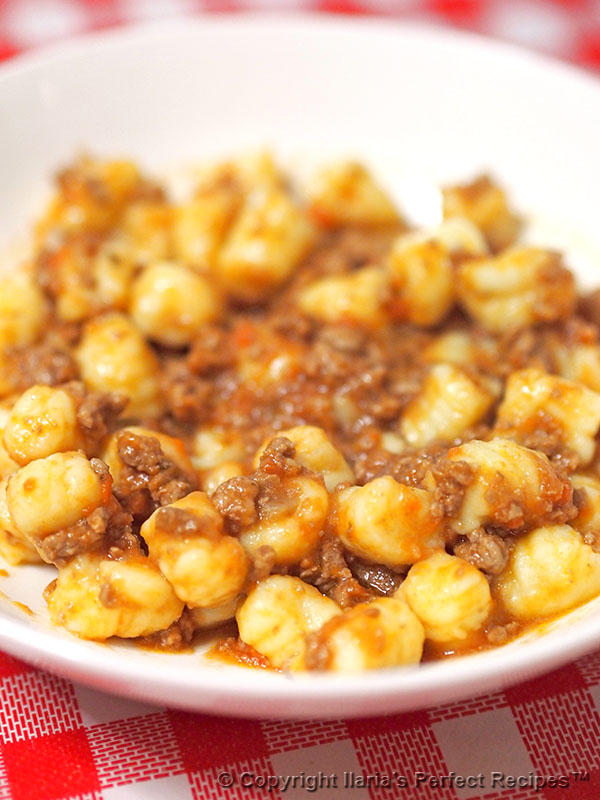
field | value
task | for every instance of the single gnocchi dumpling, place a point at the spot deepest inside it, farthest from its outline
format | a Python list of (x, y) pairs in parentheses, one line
[(550, 571), (347, 194), (146, 227), (22, 310), (201, 224), (277, 616), (96, 598), (53, 493), (212, 446), (185, 538), (358, 298), (268, 239), (171, 304), (43, 421), (114, 269), (315, 451), (483, 203), (512, 487), (292, 527), (384, 633), (519, 287), (91, 195), (422, 279), (535, 399), (449, 403), (113, 356), (14, 548), (450, 596), (386, 522)]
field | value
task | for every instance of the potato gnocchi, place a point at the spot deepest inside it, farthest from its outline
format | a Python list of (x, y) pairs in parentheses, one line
[(282, 413)]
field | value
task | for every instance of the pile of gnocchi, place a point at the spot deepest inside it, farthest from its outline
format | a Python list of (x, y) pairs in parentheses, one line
[(279, 408)]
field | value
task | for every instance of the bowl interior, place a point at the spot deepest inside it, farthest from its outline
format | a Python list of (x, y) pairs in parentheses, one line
[(421, 107)]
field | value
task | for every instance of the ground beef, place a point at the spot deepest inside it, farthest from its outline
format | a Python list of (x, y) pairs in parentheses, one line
[(328, 570), (263, 561), (374, 577), (187, 395), (274, 498), (47, 364), (452, 479), (210, 353), (501, 634), (589, 307), (592, 539), (543, 432), (554, 506), (528, 347), (233, 650), (149, 479), (235, 499), (278, 458), (345, 250), (486, 551), (176, 637), (409, 468), (84, 536), (288, 321), (265, 493), (120, 541), (244, 500), (266, 368), (96, 411)]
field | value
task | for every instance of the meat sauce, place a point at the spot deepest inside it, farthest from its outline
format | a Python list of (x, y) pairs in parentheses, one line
[(265, 365)]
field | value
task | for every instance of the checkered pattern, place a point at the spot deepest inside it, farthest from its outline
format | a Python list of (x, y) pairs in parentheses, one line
[(59, 740), (569, 29)]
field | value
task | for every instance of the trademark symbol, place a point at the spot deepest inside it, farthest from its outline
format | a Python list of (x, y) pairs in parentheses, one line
[(580, 777)]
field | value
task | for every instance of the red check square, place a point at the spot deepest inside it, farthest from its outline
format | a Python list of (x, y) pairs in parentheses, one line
[(50, 767), (213, 741)]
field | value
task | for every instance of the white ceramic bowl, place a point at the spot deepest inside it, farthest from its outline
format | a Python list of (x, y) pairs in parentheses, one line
[(421, 107)]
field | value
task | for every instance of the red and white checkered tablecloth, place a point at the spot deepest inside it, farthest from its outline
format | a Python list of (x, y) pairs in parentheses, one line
[(569, 29), (540, 739)]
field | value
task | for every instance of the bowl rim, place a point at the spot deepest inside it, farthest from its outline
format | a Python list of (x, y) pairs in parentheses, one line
[(137, 675), (246, 19)]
